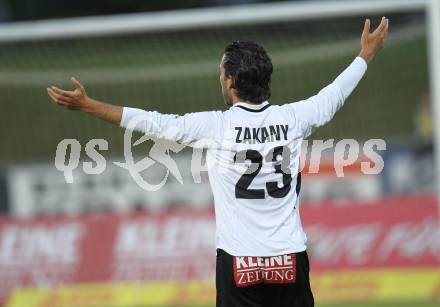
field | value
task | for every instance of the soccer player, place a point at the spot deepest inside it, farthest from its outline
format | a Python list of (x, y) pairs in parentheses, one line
[(253, 166)]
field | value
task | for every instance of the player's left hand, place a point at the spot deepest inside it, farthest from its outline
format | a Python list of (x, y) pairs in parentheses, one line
[(72, 100), (371, 43)]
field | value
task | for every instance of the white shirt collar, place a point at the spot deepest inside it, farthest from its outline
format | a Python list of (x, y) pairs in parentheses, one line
[(252, 105)]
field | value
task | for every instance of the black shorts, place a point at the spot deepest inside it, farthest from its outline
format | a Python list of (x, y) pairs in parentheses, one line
[(281, 281)]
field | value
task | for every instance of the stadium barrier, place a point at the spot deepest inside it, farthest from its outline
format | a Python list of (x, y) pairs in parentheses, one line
[(386, 249)]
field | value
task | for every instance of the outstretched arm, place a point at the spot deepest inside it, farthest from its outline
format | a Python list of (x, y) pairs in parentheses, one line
[(78, 100), (187, 129), (319, 109)]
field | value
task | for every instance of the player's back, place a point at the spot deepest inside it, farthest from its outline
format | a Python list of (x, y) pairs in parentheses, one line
[(253, 160), (255, 181)]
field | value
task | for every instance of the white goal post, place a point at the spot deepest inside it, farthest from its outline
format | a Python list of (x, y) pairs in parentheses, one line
[(243, 14), (198, 18)]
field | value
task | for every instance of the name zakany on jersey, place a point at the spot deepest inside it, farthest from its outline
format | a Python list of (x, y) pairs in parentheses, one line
[(253, 159)]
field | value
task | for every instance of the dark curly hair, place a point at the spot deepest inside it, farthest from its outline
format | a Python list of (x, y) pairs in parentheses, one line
[(251, 68)]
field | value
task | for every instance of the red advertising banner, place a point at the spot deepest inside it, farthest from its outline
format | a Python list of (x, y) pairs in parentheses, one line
[(403, 231), (179, 245)]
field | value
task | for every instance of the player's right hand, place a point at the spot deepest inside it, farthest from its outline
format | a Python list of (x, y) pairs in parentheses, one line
[(371, 43), (72, 100)]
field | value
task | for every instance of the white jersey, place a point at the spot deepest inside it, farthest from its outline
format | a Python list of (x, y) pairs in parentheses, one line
[(253, 162)]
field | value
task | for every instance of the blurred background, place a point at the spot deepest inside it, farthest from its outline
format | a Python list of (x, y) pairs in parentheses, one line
[(374, 240)]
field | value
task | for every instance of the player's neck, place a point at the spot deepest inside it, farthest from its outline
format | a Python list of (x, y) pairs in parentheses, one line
[(235, 100)]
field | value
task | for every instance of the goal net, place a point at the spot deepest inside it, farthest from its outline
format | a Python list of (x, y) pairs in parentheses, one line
[(169, 62)]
